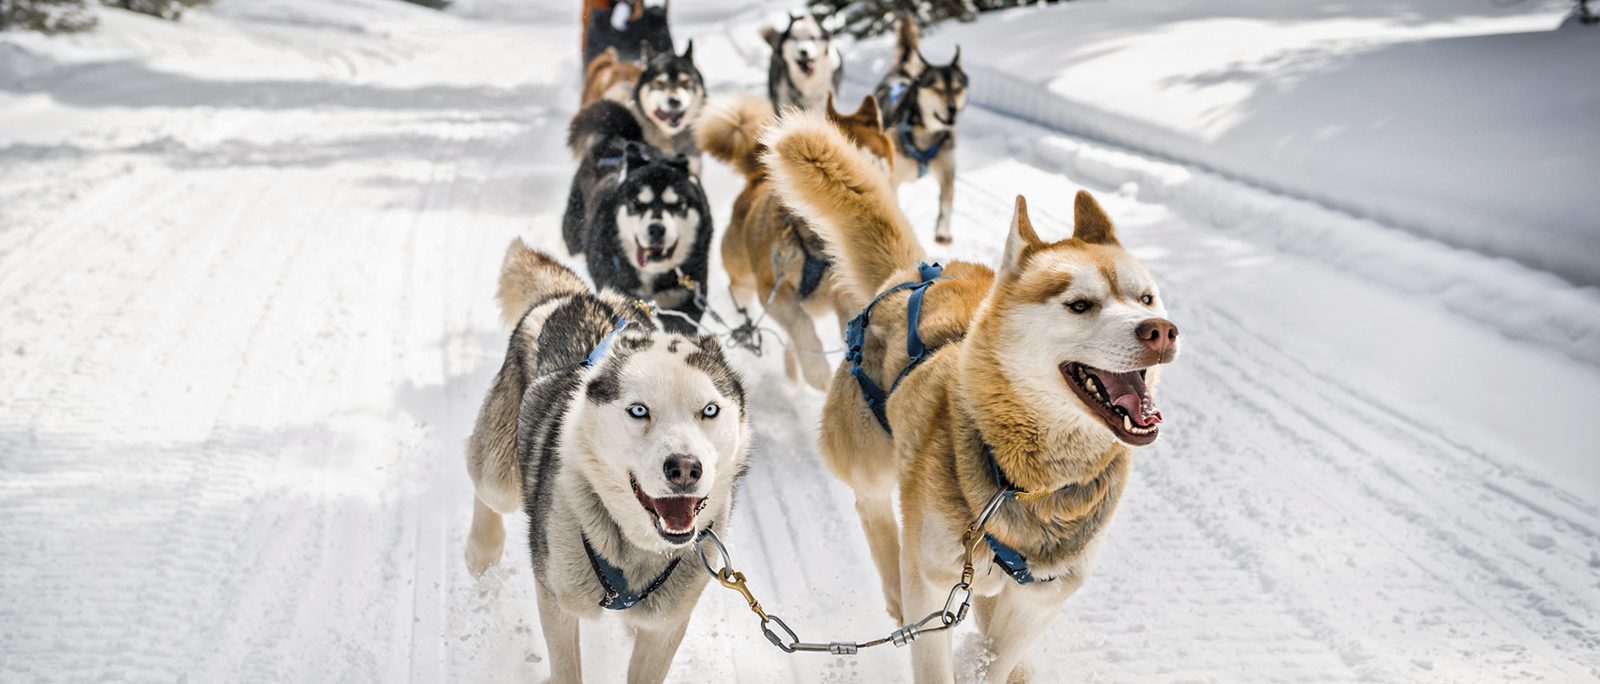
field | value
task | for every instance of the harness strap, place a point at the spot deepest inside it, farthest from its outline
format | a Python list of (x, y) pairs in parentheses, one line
[(595, 355), (1009, 559), (611, 578), (923, 157), (856, 336)]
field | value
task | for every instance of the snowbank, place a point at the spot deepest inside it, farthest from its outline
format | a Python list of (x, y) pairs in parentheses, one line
[(1461, 122)]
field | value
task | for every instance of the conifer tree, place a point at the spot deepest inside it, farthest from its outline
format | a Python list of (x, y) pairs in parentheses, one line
[(46, 16)]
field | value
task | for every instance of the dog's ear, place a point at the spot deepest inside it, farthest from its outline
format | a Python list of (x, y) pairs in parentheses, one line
[(956, 63), (1090, 223), (833, 114), (869, 109), (635, 155), (678, 161), (688, 51), (647, 53), (1020, 240), (772, 36)]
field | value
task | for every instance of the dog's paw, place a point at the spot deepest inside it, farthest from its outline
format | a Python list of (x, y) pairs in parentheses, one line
[(941, 238), (480, 559)]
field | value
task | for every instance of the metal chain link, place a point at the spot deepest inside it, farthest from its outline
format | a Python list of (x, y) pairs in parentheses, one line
[(951, 615)]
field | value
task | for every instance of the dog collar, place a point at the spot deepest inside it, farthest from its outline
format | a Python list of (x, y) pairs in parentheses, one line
[(611, 577), (1009, 559)]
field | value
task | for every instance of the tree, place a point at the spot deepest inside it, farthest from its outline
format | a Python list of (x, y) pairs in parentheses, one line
[(46, 16), (166, 9), (866, 18)]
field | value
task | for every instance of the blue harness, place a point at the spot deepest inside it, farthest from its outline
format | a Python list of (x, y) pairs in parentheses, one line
[(599, 351), (618, 595), (1010, 560), (855, 338), (921, 156)]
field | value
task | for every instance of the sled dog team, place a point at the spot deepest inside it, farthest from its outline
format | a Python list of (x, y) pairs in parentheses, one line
[(1002, 404)]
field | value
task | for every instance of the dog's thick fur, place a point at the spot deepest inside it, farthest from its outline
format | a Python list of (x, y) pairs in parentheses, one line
[(644, 23), (766, 243), (806, 66), (610, 77), (557, 440), (639, 217), (1004, 375), (920, 104)]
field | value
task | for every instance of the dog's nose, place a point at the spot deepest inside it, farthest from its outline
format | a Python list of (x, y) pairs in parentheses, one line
[(804, 55), (682, 470), (673, 102), (658, 232), (1158, 335)]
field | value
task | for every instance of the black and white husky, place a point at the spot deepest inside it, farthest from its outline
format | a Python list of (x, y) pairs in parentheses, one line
[(625, 26), (667, 99), (622, 444), (806, 65), (639, 217), (920, 103)]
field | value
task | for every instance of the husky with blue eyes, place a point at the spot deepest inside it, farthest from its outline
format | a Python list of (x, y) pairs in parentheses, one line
[(621, 442)]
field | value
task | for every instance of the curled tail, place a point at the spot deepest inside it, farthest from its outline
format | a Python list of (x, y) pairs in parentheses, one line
[(529, 276), (822, 177), (729, 129)]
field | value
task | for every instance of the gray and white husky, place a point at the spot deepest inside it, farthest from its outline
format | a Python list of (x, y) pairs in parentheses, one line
[(806, 65), (621, 443)]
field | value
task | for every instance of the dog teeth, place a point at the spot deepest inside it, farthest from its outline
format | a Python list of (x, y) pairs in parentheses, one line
[(1127, 423)]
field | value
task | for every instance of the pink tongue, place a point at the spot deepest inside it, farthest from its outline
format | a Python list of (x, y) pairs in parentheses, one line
[(643, 257), (677, 513), (1128, 391)]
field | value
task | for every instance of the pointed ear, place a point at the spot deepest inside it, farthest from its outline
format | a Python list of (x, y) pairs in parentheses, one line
[(688, 50), (772, 36), (1019, 240), (957, 61), (869, 108), (833, 114), (646, 52), (1090, 223)]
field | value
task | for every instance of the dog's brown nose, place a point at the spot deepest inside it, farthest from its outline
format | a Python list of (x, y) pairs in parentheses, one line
[(1158, 335), (682, 471)]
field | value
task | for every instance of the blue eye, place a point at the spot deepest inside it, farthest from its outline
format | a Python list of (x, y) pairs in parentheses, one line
[(638, 411), (710, 411)]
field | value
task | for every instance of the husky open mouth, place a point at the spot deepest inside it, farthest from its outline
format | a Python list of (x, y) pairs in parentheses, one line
[(809, 66), (1121, 399), (672, 515), (671, 118), (644, 256)]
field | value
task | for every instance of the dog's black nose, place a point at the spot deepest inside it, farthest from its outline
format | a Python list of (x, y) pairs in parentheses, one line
[(674, 103), (658, 232), (682, 470)]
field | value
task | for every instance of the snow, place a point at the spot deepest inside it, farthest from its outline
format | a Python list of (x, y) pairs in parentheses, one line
[(1369, 107), (247, 265)]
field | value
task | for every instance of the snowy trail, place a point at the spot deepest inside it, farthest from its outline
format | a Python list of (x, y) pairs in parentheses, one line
[(243, 336)]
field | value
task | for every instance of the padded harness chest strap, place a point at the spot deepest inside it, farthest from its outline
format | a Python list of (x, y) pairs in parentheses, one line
[(923, 157), (856, 336)]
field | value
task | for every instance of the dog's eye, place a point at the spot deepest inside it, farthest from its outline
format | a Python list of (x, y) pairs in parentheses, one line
[(1080, 306), (710, 411), (1148, 300), (638, 411)]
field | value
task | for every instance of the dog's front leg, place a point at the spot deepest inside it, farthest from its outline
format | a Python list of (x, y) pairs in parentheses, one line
[(947, 196), (654, 645), (1013, 619), (560, 637), (930, 654)]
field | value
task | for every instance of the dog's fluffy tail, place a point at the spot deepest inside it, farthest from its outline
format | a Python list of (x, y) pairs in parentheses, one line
[(729, 128), (529, 276), (845, 199), (905, 35)]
